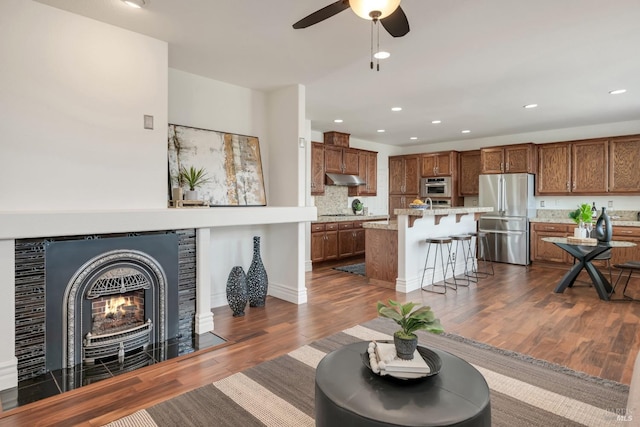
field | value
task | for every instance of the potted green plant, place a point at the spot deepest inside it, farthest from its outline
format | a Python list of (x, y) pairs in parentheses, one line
[(194, 178), (580, 216), (410, 321)]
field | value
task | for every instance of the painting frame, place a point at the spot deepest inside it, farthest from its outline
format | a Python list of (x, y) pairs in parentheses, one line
[(232, 162)]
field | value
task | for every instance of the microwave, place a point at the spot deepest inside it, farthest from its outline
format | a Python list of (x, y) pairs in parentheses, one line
[(435, 187)]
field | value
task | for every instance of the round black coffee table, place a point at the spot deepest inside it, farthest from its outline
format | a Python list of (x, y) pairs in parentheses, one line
[(350, 394)]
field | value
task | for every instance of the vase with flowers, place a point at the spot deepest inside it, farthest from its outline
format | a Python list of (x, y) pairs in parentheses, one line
[(582, 218)]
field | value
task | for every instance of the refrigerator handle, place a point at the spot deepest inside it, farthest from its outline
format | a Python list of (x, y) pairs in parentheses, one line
[(504, 194), (500, 194)]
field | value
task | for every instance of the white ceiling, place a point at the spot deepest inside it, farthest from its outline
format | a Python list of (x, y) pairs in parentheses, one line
[(473, 64)]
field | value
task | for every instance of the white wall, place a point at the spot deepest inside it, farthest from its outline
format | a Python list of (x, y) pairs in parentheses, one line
[(73, 93)]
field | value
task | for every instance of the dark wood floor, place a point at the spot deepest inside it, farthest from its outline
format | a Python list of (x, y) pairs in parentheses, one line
[(516, 310)]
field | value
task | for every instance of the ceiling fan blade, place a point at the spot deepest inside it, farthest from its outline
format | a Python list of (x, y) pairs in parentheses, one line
[(396, 24), (322, 14)]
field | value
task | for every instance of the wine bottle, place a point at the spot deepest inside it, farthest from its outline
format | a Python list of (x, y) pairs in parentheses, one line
[(594, 211)]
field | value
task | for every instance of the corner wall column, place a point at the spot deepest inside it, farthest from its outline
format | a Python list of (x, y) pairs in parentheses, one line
[(204, 315), (8, 360)]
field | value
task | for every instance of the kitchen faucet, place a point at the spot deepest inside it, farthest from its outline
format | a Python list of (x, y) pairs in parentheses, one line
[(430, 202)]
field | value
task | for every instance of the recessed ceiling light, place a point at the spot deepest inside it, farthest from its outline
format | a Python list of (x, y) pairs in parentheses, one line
[(135, 3), (396, 109), (466, 131), (617, 91), (338, 121), (380, 130), (436, 122), (381, 55), (531, 106), (413, 138)]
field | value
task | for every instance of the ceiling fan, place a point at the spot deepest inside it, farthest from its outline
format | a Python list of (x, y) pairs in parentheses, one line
[(388, 12)]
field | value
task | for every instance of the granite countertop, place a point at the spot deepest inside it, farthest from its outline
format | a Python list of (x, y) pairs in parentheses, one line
[(443, 211), (346, 217), (381, 225), (618, 222)]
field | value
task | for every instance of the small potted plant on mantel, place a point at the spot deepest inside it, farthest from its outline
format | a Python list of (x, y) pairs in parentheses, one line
[(194, 178), (581, 216), (410, 321)]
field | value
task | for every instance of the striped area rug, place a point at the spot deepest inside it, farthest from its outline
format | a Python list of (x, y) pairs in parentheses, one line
[(280, 392)]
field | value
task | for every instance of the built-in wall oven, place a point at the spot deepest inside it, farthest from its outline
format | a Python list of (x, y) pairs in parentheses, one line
[(435, 187)]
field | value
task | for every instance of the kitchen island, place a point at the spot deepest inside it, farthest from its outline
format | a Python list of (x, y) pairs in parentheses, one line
[(395, 250)]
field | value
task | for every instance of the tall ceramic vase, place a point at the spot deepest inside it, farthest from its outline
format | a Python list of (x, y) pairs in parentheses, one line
[(257, 281), (237, 291), (603, 229)]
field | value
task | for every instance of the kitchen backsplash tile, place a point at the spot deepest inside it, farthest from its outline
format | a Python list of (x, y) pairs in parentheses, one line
[(334, 201), (564, 214)]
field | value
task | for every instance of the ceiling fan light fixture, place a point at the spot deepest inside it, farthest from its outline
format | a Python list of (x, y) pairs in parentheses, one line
[(138, 4), (370, 9)]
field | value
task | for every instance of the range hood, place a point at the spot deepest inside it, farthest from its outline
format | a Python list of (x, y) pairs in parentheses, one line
[(340, 179)]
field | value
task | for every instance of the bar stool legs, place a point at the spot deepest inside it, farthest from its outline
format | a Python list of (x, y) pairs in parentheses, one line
[(482, 242), (440, 244), (469, 273)]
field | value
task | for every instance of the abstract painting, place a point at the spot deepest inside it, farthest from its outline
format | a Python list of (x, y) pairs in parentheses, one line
[(232, 164)]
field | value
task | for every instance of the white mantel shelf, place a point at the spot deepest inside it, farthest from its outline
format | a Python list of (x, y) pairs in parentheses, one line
[(24, 225)]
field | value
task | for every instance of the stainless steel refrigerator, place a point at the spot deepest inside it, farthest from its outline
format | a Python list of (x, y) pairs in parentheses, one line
[(507, 227)]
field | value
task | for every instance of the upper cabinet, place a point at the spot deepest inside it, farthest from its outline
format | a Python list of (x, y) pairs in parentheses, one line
[(624, 158), (403, 174), (518, 158), (368, 171), (579, 167), (317, 169), (469, 173), (439, 164), (340, 139), (340, 160)]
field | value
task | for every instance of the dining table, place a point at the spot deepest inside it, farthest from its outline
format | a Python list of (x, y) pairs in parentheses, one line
[(584, 256)]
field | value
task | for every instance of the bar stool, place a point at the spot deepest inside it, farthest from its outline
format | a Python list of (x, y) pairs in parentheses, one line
[(469, 274), (631, 267), (441, 244), (482, 243)]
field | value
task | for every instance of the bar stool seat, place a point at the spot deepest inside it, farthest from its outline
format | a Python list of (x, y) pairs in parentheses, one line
[(631, 267), (440, 244)]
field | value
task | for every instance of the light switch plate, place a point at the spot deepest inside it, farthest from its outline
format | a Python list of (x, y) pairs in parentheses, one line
[(148, 122), (610, 203)]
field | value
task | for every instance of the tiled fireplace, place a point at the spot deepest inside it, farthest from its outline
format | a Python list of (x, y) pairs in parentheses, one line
[(90, 305)]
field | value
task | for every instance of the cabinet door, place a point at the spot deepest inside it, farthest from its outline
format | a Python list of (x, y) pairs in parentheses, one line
[(358, 241), (429, 165), (554, 169), (590, 166), (317, 246), (331, 245), (492, 160), (396, 175), (350, 161), (345, 243), (624, 158), (317, 168), (546, 251), (412, 175), (626, 234), (444, 166), (332, 159), (519, 158), (469, 173), (396, 201), (372, 174)]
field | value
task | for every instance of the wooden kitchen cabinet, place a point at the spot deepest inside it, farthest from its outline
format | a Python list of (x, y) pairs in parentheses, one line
[(439, 164), (578, 167), (351, 240), (324, 241), (404, 174), (624, 158), (469, 173), (368, 171), (340, 139), (622, 255), (340, 160), (517, 158), (317, 168), (542, 251)]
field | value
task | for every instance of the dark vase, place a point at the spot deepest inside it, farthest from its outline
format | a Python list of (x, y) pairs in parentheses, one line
[(257, 280), (405, 348), (603, 229), (237, 291)]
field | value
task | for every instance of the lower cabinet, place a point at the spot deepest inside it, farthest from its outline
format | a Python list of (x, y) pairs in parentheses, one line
[(626, 234), (335, 240), (324, 241)]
